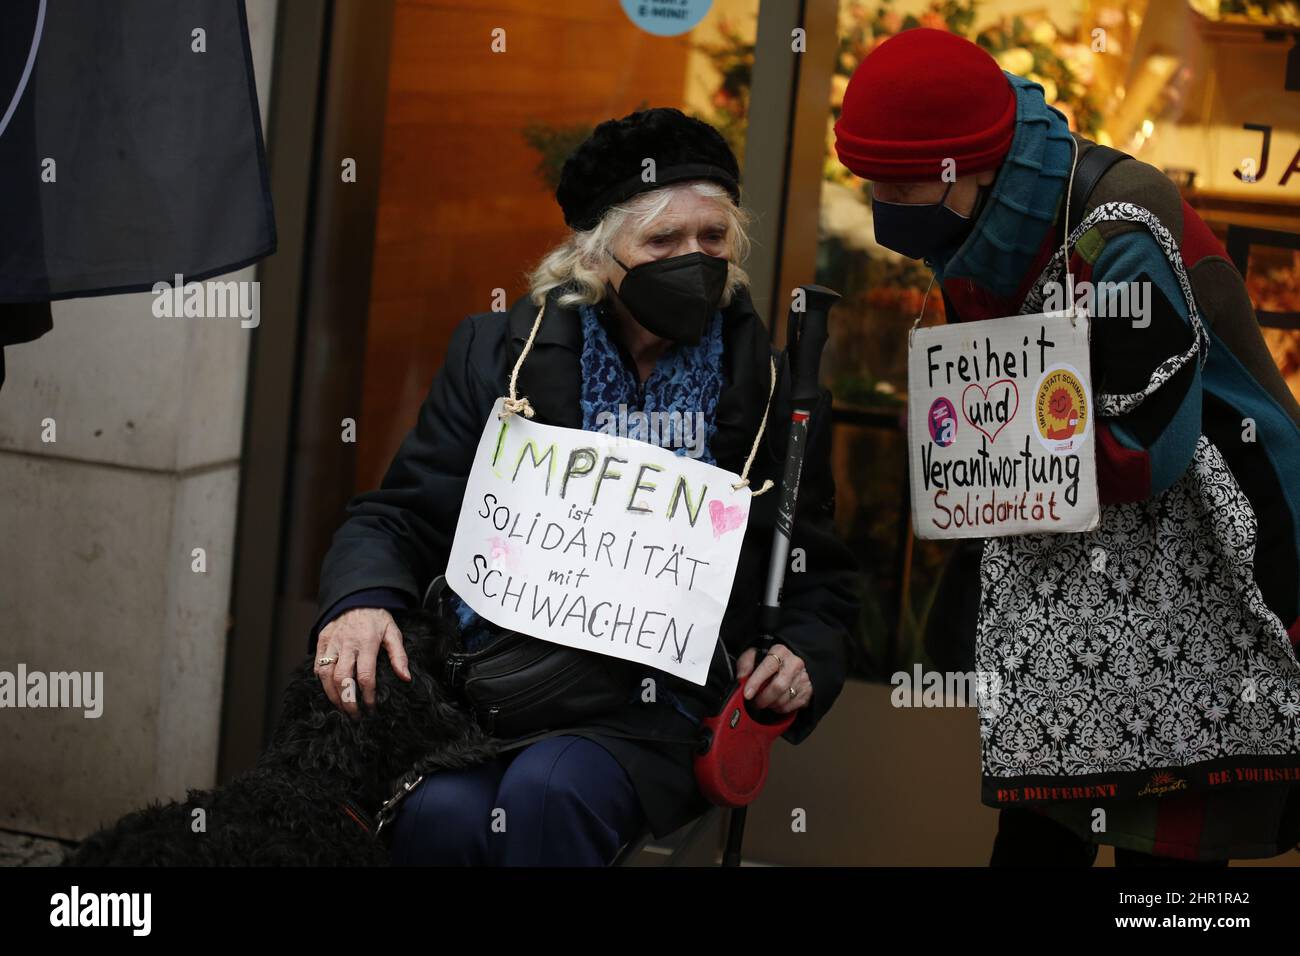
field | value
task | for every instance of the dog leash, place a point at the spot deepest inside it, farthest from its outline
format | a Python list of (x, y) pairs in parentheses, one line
[(359, 816)]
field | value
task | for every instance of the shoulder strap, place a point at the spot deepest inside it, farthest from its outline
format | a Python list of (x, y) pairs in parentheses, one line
[(1092, 165)]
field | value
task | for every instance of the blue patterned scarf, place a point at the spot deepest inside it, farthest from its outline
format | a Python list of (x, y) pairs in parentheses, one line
[(682, 388)]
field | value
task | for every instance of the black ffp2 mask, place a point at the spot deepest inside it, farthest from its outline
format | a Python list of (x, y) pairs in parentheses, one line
[(674, 298), (919, 230)]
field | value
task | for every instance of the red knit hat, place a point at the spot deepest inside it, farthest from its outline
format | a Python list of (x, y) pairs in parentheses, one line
[(919, 98)]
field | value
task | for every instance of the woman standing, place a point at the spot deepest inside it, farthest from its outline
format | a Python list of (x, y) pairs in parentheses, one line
[(1148, 684)]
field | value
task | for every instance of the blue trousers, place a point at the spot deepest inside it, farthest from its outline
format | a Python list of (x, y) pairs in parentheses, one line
[(563, 801)]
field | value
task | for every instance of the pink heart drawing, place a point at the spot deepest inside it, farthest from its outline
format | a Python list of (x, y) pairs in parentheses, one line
[(991, 409), (501, 551), (725, 517)]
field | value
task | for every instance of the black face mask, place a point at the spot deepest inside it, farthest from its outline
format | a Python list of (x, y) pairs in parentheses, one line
[(676, 297), (918, 230)]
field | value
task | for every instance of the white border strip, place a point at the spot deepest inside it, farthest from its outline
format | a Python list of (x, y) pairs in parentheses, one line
[(27, 70)]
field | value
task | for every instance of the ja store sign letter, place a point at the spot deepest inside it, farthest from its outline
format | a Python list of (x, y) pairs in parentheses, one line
[(1000, 428), (599, 542)]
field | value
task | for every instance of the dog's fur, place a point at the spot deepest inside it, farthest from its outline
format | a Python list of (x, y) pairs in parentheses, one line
[(287, 810)]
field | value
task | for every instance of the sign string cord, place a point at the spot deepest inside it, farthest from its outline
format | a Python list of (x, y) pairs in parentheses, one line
[(514, 404), (762, 429)]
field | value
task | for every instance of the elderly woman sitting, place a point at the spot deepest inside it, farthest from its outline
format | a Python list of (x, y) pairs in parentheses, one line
[(645, 306)]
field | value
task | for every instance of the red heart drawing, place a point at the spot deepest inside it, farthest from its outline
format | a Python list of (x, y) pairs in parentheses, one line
[(725, 517), (965, 409)]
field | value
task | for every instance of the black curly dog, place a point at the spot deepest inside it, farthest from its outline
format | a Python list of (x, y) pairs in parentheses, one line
[(298, 805)]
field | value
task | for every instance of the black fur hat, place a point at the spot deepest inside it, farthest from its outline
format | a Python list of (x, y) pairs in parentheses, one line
[(606, 169)]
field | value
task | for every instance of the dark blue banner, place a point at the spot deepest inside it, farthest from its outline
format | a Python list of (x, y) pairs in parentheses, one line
[(130, 146)]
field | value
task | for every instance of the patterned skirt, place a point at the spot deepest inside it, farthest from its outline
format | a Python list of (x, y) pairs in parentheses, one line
[(1135, 685)]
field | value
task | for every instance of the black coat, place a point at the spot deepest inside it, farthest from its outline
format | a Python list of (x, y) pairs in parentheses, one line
[(399, 535)]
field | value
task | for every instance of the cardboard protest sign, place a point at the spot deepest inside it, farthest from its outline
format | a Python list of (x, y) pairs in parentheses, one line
[(1000, 428), (599, 542)]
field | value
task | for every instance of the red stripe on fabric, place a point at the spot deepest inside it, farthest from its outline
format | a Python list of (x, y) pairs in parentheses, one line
[(356, 819), (1046, 249), (1123, 474), (1293, 632), (1180, 824), (1198, 240)]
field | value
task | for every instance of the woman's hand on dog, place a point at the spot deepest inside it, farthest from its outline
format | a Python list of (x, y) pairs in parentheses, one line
[(354, 637), (770, 686)]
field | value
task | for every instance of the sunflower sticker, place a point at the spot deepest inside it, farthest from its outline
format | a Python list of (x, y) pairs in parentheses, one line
[(1061, 411)]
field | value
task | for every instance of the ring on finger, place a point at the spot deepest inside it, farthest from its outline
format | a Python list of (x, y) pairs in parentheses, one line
[(325, 661)]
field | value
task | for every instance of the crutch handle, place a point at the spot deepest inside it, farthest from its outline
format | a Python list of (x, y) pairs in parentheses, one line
[(805, 340)]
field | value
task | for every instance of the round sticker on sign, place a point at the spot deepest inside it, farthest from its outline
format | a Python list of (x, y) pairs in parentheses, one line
[(1061, 411), (666, 18), (943, 422)]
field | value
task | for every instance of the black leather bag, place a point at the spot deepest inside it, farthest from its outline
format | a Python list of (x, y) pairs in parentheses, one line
[(517, 684)]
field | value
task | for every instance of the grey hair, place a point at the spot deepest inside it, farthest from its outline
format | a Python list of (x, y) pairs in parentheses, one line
[(579, 260)]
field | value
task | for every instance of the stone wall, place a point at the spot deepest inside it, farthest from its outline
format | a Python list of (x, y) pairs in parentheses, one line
[(99, 529)]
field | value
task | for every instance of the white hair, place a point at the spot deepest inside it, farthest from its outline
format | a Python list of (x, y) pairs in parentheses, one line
[(581, 259)]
